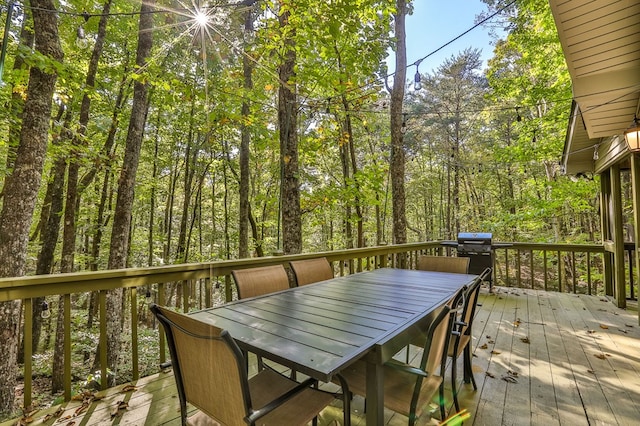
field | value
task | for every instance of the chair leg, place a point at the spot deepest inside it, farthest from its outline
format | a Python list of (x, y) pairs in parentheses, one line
[(468, 371), (453, 383), (346, 400), (443, 414)]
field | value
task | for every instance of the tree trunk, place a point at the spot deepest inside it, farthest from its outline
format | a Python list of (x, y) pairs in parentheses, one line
[(245, 141), (287, 120), (189, 163), (21, 189), (126, 184), (397, 124), (17, 103)]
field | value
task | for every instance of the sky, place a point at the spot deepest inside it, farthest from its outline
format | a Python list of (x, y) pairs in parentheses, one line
[(436, 22)]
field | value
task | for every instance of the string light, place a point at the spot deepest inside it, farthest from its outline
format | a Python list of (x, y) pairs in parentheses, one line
[(46, 313), (416, 79)]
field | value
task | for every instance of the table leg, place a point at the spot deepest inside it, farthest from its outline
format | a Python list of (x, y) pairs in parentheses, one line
[(375, 393)]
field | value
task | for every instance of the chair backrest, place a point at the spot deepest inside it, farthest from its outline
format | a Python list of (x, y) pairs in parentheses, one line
[(311, 270), (471, 301), (458, 265), (434, 356), (208, 367), (262, 280)]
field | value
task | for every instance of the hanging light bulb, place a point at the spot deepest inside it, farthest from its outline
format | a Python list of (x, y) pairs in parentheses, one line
[(81, 39), (596, 155), (403, 129), (417, 85), (46, 313)]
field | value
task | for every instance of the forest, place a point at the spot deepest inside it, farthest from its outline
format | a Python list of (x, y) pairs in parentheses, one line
[(168, 131)]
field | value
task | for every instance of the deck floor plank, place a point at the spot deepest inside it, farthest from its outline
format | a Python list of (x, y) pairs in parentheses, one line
[(560, 380), (582, 351), (619, 370), (491, 390), (562, 387), (544, 408)]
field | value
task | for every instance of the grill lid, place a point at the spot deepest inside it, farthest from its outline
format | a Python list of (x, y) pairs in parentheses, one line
[(475, 237), (474, 242)]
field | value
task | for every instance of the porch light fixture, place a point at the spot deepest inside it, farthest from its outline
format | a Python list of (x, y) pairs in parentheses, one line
[(632, 135)]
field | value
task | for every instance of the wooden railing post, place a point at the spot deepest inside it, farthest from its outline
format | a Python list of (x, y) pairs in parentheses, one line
[(134, 332), (28, 350)]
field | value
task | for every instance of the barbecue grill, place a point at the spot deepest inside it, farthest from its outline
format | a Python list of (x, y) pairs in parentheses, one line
[(479, 248)]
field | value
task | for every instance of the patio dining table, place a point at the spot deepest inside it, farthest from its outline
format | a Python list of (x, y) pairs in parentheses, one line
[(321, 328)]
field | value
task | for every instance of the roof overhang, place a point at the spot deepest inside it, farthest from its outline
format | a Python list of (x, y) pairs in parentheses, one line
[(601, 44)]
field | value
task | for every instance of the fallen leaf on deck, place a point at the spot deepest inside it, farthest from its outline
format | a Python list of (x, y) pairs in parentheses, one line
[(57, 413), (494, 352), (81, 409), (485, 346), (623, 331), (525, 340), (26, 419), (604, 327), (129, 388), (512, 373), (603, 300), (509, 379), (628, 325), (63, 419), (517, 323), (601, 356), (491, 342), (487, 336), (120, 405), (490, 375), (591, 331), (591, 371)]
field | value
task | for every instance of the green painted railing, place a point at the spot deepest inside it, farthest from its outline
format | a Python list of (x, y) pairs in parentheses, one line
[(559, 267)]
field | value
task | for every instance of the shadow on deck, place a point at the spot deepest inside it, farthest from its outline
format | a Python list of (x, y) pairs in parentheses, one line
[(540, 358)]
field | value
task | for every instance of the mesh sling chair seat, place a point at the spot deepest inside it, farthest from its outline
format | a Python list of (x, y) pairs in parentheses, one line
[(461, 343), (408, 389), (309, 271), (252, 282), (209, 369), (458, 265)]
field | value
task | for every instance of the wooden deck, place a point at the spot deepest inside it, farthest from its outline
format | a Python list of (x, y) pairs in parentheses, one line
[(540, 358)]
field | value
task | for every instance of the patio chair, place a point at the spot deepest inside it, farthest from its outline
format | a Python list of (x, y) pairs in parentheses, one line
[(311, 270), (408, 389), (208, 367), (462, 339), (458, 265), (253, 282)]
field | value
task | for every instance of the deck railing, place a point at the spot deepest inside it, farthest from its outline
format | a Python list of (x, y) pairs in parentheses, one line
[(559, 267)]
